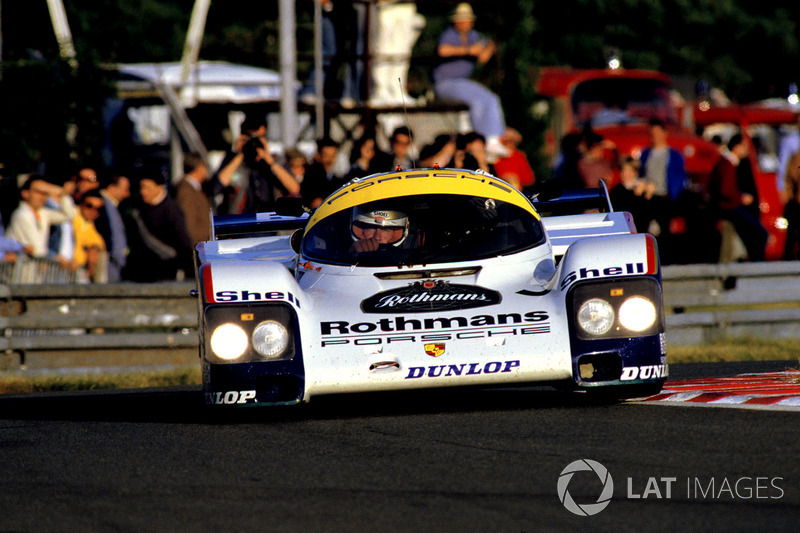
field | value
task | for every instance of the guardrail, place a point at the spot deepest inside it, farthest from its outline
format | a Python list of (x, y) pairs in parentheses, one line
[(73, 325), (707, 303), (35, 270)]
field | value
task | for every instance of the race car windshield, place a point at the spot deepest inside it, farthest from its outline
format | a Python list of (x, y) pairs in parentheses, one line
[(422, 229)]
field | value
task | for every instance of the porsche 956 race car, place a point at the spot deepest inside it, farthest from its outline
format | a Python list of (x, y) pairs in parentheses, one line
[(429, 278)]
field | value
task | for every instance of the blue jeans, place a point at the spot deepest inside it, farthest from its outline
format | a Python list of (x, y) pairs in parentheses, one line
[(328, 53), (485, 110), (354, 68)]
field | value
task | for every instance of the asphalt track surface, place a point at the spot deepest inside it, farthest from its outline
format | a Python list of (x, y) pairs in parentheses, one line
[(448, 460)]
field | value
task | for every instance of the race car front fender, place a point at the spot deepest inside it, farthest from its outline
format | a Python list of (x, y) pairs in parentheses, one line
[(245, 295), (620, 349)]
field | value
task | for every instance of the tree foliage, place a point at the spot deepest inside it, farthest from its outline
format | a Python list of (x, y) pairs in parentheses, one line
[(749, 49)]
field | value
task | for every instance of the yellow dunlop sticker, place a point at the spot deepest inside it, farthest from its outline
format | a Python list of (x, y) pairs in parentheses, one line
[(413, 182)]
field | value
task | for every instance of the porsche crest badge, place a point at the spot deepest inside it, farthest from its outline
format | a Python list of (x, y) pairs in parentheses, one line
[(434, 350)]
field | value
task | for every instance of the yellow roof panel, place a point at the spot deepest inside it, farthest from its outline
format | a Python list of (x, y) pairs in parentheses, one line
[(413, 182)]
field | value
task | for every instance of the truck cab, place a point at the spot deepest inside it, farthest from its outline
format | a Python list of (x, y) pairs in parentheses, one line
[(618, 104)]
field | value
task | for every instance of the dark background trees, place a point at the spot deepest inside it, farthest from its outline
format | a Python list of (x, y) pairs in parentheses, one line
[(50, 110)]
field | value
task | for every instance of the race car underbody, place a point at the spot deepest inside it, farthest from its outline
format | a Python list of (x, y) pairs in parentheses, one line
[(429, 278)]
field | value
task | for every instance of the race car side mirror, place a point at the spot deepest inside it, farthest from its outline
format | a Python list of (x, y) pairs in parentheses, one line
[(289, 207), (294, 240)]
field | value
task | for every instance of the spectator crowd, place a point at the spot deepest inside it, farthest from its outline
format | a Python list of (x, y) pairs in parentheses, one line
[(705, 219), (99, 225)]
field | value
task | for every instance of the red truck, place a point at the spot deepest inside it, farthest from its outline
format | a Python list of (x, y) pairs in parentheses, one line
[(618, 104)]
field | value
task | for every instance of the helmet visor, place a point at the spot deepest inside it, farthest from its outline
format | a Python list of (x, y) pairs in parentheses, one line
[(384, 225), (383, 234)]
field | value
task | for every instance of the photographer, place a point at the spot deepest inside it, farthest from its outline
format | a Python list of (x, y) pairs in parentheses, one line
[(258, 172)]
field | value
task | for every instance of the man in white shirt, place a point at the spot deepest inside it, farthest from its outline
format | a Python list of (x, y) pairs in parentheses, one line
[(30, 222)]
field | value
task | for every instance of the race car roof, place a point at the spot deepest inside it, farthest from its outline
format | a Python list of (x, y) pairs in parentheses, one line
[(414, 182)]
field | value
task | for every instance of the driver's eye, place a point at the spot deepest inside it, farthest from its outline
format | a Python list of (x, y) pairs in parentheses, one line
[(365, 226)]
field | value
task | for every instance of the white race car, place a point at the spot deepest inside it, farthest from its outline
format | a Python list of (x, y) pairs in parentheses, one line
[(429, 278)]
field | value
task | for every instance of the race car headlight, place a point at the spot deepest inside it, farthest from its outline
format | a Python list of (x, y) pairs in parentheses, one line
[(234, 334), (270, 339), (617, 308), (596, 316), (637, 313), (229, 342)]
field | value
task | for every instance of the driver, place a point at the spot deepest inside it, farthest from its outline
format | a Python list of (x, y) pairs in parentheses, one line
[(378, 228)]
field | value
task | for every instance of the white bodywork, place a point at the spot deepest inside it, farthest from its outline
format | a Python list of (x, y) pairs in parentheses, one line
[(525, 338)]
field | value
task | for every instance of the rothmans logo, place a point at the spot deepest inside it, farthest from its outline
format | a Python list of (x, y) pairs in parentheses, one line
[(429, 296)]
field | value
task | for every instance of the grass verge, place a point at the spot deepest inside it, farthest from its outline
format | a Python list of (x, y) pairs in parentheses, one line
[(16, 384), (744, 349)]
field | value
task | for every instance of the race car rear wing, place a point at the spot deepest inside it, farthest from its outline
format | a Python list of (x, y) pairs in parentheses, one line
[(254, 225), (570, 215), (556, 201)]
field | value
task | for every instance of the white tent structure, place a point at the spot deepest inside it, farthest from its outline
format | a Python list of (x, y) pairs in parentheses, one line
[(208, 82), (164, 98), (190, 82)]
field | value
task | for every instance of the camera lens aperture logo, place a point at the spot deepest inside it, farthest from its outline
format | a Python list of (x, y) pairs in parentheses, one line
[(587, 509)]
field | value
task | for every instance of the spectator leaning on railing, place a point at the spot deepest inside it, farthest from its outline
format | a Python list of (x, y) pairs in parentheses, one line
[(61, 242), (30, 222), (89, 258)]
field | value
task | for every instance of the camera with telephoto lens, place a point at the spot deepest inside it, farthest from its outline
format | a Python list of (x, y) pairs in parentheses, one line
[(250, 148)]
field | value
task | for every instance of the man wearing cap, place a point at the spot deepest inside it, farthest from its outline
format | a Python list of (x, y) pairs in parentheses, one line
[(459, 48)]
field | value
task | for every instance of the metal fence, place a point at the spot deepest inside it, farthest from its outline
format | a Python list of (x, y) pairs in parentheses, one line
[(707, 303), (35, 270), (85, 325), (91, 325)]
